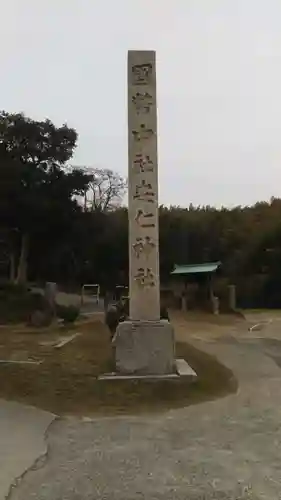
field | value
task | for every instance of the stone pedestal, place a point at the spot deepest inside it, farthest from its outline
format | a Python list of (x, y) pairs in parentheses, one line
[(145, 348)]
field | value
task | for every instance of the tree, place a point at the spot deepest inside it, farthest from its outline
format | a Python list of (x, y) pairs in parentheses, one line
[(35, 191), (100, 247), (105, 191)]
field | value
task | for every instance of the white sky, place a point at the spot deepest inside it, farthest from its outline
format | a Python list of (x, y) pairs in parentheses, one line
[(219, 86)]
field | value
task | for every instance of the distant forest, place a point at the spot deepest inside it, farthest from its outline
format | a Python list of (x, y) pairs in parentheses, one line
[(68, 225)]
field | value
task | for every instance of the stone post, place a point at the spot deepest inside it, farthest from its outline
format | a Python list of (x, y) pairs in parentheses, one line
[(50, 296), (232, 297), (143, 187), (144, 345)]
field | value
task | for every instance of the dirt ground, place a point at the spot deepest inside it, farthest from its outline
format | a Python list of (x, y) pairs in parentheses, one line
[(64, 380)]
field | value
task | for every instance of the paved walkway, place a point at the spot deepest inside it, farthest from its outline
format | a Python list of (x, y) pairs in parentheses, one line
[(226, 449), (22, 441)]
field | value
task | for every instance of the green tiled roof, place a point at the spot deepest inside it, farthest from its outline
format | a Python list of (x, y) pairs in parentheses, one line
[(209, 267)]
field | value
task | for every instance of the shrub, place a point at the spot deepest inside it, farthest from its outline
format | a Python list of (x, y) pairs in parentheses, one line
[(17, 304), (8, 289), (68, 314), (37, 301), (112, 317), (40, 318)]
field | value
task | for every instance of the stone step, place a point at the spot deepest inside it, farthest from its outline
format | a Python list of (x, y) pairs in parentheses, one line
[(184, 369), (119, 376)]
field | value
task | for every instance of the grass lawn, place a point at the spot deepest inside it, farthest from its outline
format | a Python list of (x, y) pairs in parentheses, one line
[(65, 382)]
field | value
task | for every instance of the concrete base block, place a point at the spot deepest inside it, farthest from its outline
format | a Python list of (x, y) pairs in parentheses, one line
[(183, 370), (144, 348)]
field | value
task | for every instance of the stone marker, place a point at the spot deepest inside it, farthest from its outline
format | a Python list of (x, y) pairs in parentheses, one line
[(50, 296), (232, 297), (144, 344)]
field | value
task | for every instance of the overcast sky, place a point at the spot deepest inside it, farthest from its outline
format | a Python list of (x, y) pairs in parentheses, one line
[(218, 79)]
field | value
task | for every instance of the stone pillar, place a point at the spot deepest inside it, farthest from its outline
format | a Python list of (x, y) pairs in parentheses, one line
[(183, 302), (143, 187), (232, 297), (144, 345), (215, 305), (50, 296)]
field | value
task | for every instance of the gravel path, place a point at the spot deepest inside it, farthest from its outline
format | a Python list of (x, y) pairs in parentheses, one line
[(227, 449)]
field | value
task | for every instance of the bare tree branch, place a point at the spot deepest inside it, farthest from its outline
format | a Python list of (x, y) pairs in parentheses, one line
[(106, 191)]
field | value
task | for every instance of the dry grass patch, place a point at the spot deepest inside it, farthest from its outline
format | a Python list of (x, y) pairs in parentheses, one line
[(66, 383)]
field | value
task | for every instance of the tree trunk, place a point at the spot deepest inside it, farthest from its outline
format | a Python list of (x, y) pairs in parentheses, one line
[(22, 265)]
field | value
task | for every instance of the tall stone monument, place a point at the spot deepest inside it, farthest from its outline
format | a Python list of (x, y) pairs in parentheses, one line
[(144, 344)]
